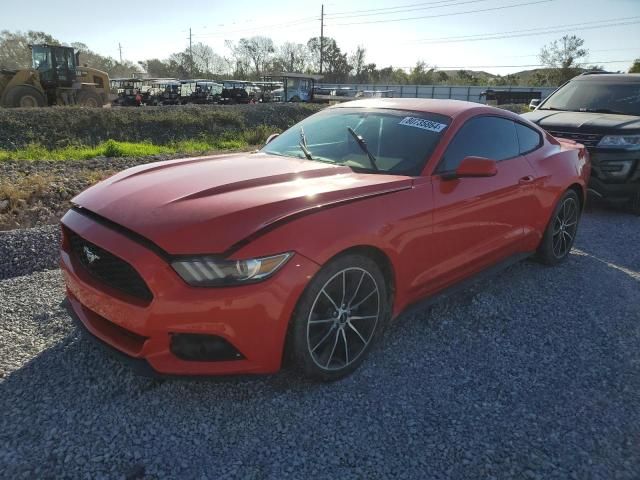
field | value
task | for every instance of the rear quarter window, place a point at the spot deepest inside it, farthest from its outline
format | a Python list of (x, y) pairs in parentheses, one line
[(528, 138)]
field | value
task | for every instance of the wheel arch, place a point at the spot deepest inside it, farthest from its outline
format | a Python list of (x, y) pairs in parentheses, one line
[(581, 192), (12, 88), (380, 258)]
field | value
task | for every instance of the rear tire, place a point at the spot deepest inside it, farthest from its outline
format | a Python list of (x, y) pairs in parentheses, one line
[(561, 231), (340, 315), (88, 98), (25, 96)]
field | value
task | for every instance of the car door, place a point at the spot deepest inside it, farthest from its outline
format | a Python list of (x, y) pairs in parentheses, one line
[(479, 221)]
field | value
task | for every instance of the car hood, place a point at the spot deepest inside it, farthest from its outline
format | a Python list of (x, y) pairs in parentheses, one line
[(208, 204), (584, 121)]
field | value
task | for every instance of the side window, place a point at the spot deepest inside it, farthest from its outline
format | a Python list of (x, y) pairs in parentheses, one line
[(528, 138), (489, 137)]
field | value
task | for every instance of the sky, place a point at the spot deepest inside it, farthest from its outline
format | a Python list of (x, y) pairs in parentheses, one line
[(396, 33)]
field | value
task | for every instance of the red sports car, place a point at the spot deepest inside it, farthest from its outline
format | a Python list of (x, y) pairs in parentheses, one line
[(305, 250)]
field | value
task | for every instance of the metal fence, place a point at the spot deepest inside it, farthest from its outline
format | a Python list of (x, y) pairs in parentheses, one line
[(455, 92)]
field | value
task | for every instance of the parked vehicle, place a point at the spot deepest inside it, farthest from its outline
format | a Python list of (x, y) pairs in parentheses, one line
[(146, 85), (375, 94), (239, 91), (200, 91), (164, 92), (601, 111), (305, 250), (127, 91), (56, 78), (296, 87), (510, 97), (266, 90)]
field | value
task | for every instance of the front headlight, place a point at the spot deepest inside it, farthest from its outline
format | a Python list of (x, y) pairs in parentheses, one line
[(207, 271), (620, 141)]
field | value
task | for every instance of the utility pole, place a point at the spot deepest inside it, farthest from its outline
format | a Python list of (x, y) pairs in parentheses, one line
[(321, 37), (120, 48), (190, 53)]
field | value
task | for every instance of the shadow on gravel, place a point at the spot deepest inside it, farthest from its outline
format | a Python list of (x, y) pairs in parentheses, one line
[(532, 375)]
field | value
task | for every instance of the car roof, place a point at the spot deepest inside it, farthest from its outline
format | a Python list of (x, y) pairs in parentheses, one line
[(607, 77), (450, 108)]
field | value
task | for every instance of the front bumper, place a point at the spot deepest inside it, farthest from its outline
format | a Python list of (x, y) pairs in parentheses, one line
[(252, 318), (615, 174)]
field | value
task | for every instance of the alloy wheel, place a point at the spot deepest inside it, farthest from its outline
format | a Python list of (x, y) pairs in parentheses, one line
[(343, 318), (565, 226)]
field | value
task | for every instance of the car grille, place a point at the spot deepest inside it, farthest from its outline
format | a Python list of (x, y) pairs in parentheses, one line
[(107, 268), (589, 140)]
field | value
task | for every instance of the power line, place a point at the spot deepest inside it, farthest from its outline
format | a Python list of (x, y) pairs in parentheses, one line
[(252, 22), (452, 3), (590, 51), (503, 7), (259, 28), (469, 67), (532, 31), (386, 9)]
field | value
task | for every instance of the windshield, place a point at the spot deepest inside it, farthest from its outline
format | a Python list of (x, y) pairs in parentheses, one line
[(400, 141), (582, 96)]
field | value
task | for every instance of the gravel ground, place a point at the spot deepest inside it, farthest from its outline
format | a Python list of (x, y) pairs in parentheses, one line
[(535, 374), (29, 250)]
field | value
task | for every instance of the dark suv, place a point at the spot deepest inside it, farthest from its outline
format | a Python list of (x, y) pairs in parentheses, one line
[(601, 111)]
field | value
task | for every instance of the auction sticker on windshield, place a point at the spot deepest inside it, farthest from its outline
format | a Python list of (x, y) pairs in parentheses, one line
[(423, 124)]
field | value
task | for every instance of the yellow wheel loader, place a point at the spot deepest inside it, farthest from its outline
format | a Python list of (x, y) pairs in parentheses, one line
[(56, 78)]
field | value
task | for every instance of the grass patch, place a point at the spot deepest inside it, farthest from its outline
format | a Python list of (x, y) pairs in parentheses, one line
[(19, 193), (113, 148)]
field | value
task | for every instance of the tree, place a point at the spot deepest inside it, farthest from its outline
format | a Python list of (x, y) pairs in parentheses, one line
[(421, 74), (107, 64), (255, 51), (635, 68), (442, 77), (356, 60), (291, 57), (335, 65), (14, 47), (466, 77), (564, 58)]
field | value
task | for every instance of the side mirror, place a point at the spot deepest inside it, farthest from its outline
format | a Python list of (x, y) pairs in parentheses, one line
[(271, 137), (474, 167), (534, 103)]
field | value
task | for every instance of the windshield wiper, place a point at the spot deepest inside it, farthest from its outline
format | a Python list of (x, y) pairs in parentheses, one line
[(557, 109), (363, 145), (303, 145)]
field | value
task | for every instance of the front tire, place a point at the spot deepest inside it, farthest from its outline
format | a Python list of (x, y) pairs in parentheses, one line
[(339, 317), (561, 231), (25, 96)]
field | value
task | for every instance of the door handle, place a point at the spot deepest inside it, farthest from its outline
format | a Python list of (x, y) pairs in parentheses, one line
[(526, 180)]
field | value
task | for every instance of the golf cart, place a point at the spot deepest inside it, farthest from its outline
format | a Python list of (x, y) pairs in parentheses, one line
[(164, 92), (200, 91), (239, 91), (127, 91)]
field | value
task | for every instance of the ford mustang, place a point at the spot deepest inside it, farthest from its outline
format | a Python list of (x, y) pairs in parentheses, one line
[(303, 252)]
